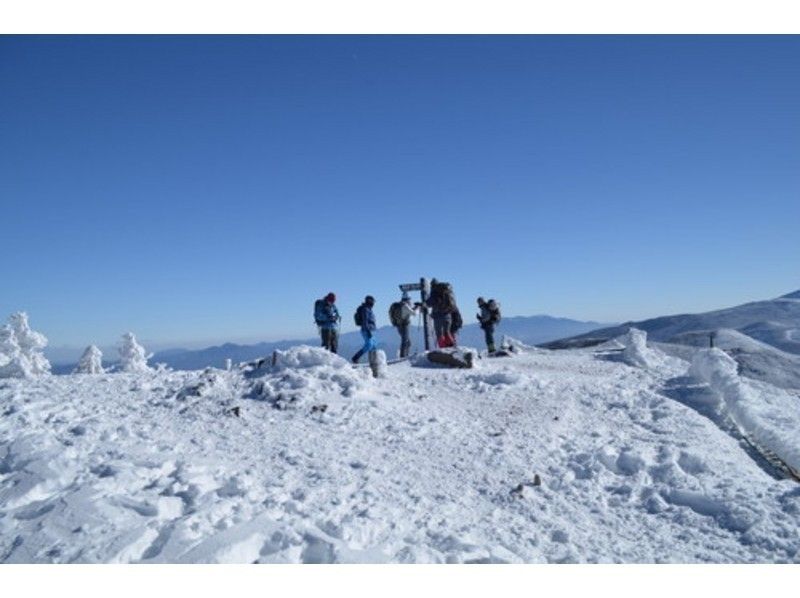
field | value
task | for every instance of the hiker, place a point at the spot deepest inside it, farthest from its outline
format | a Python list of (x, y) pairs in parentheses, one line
[(442, 303), (365, 319), (327, 318), (489, 318), (400, 314)]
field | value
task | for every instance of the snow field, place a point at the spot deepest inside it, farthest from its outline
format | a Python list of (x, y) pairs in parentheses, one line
[(325, 463)]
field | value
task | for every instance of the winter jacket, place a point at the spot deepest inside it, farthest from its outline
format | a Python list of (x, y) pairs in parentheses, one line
[(326, 315), (487, 317), (438, 301), (408, 311), (368, 319)]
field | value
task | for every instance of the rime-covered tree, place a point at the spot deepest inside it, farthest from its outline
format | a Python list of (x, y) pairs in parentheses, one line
[(132, 356), (91, 362), (21, 349)]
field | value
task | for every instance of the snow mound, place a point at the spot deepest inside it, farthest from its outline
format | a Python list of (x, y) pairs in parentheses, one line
[(21, 349), (636, 351), (304, 374), (503, 377), (304, 356), (770, 419)]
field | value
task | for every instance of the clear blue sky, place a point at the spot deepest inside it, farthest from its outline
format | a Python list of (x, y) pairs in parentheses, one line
[(210, 188)]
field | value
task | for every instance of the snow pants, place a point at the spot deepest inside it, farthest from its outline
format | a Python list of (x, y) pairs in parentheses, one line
[(405, 340), (441, 326), (330, 339), (488, 332)]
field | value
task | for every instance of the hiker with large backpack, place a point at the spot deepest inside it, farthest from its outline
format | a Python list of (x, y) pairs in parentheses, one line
[(489, 318), (442, 302), (327, 318), (400, 314), (365, 320)]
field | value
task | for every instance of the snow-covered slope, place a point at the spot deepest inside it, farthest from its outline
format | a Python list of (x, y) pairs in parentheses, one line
[(569, 456), (775, 322)]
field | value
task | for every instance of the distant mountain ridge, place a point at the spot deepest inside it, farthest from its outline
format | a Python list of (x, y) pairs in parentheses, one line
[(528, 329), (775, 322)]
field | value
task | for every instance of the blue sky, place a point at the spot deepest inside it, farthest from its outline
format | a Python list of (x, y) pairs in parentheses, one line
[(197, 189)]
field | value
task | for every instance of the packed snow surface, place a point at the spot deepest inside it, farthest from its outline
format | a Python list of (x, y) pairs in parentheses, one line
[(570, 456)]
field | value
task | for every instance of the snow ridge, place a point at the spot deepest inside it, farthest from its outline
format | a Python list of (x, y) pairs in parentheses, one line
[(769, 418)]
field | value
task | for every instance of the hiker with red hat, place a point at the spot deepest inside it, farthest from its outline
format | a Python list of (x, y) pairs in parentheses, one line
[(327, 319)]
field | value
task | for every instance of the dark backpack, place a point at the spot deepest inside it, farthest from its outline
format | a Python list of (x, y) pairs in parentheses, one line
[(396, 313), (494, 311), (456, 322), (445, 300), (359, 316), (319, 306)]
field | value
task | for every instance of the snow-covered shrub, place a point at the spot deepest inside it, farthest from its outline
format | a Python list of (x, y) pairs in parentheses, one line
[(91, 362), (21, 349), (132, 356), (636, 351)]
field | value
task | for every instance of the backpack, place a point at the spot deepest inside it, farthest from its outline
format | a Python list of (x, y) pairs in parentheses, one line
[(319, 306), (445, 301), (456, 322), (359, 316), (494, 310), (396, 313)]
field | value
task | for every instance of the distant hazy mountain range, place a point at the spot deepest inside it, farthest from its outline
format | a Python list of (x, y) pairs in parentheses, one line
[(530, 330), (775, 322)]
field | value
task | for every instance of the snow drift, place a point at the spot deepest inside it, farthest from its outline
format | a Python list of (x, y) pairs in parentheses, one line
[(636, 351), (288, 377), (767, 415)]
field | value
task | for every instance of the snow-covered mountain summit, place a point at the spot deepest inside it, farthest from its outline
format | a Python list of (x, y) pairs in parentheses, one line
[(616, 454)]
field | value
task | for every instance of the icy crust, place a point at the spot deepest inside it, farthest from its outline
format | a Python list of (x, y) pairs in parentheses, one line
[(304, 374), (636, 351), (769, 416)]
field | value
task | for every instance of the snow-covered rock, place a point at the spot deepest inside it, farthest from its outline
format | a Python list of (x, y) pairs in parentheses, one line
[(288, 377), (91, 362), (21, 349), (132, 356)]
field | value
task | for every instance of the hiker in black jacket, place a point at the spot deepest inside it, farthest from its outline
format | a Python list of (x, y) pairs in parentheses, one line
[(488, 318)]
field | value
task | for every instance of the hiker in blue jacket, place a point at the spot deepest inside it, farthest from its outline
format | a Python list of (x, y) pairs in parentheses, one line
[(365, 319), (327, 318)]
